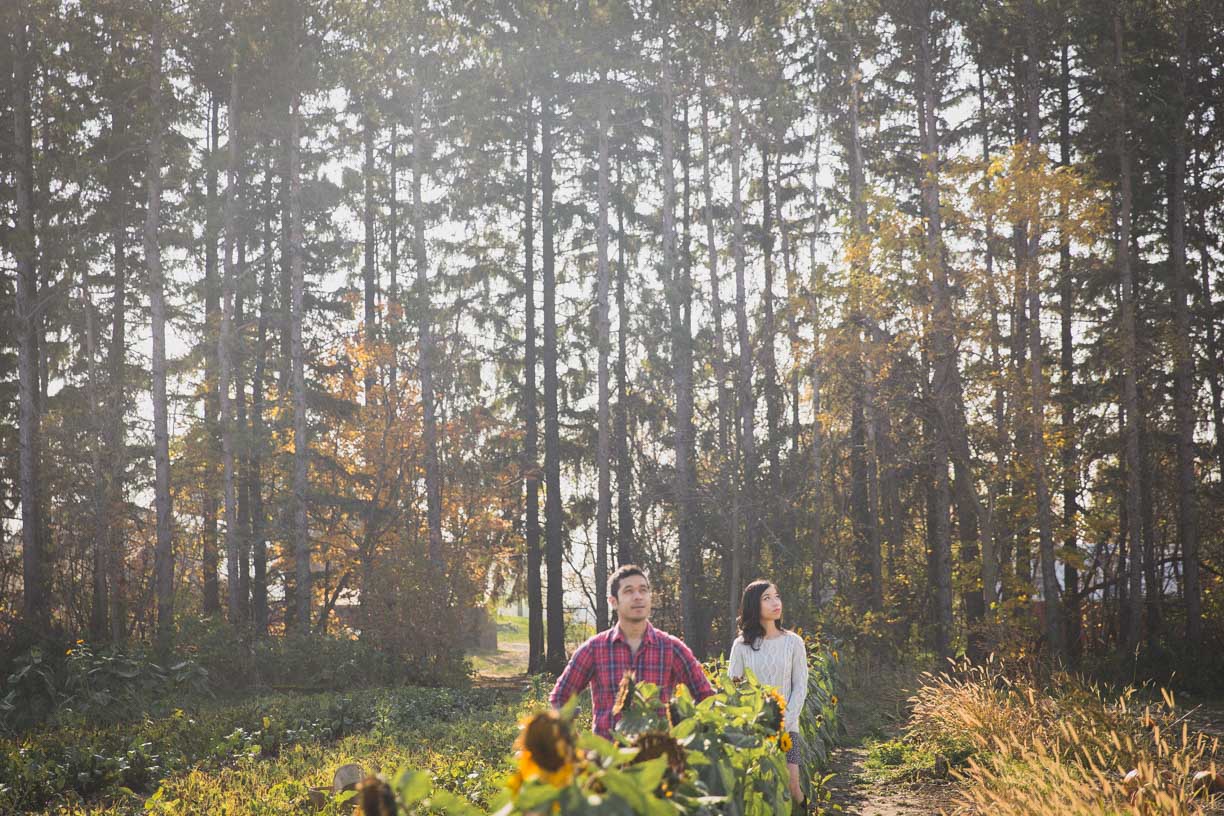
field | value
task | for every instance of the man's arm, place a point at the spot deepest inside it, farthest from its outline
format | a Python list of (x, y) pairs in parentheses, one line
[(689, 671), (577, 675)]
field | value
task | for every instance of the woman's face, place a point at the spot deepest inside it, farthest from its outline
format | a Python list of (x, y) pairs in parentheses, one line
[(771, 604)]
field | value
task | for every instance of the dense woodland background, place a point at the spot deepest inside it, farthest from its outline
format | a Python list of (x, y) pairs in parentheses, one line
[(328, 316)]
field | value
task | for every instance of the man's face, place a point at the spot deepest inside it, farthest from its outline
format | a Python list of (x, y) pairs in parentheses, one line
[(632, 599)]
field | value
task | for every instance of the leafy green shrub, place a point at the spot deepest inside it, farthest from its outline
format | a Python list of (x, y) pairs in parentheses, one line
[(94, 686)]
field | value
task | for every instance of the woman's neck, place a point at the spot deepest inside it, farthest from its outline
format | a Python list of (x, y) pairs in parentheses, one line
[(771, 629)]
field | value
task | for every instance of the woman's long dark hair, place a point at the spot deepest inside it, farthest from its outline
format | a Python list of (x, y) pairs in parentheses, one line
[(750, 626)]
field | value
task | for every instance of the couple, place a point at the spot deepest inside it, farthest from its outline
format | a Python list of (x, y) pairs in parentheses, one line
[(776, 657)]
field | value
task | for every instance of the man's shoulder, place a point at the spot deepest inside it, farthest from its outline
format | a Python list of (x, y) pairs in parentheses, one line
[(670, 640), (597, 639)]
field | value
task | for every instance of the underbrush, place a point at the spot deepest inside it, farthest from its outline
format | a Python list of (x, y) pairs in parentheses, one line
[(240, 752), (1062, 746), (81, 684)]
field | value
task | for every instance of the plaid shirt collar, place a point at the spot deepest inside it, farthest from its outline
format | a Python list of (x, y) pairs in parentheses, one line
[(650, 635)]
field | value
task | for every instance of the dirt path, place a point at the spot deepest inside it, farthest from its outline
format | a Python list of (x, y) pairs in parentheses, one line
[(853, 793)]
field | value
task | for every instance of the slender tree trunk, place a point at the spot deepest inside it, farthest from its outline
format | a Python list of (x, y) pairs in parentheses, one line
[(98, 623), (991, 545), (36, 603), (944, 363), (769, 362), (1130, 390), (531, 465), (212, 308), (552, 435), (602, 456), (1066, 285), (394, 311), (301, 446), (1209, 310), (674, 279), (745, 397), (721, 375), (369, 272), (116, 363), (816, 589), (242, 446), (259, 579), (869, 594), (164, 553), (1054, 630), (225, 349), (1183, 353), (624, 467), (433, 474)]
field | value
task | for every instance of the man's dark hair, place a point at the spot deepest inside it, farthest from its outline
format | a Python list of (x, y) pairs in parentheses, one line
[(623, 572)]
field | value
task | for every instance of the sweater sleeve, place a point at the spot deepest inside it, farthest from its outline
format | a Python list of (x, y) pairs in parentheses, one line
[(799, 683), (735, 664)]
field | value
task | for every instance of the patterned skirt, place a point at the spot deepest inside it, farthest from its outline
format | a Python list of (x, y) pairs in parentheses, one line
[(792, 756)]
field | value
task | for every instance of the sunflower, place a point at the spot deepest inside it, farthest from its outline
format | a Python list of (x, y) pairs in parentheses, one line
[(375, 798), (624, 693), (773, 713), (654, 744), (545, 750), (785, 742)]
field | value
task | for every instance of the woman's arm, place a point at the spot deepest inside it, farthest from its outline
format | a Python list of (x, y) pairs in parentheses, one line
[(799, 684), (735, 665)]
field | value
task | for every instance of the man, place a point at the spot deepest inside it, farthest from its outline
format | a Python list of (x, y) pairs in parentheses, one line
[(632, 644)]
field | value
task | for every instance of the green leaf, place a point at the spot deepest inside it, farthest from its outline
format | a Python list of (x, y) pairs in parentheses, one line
[(413, 786)]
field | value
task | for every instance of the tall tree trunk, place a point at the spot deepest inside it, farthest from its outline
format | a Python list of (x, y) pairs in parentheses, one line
[(869, 593), (1130, 390), (163, 560), (674, 279), (769, 362), (242, 446), (301, 447), (816, 534), (225, 349), (746, 443), (394, 311), (369, 273), (602, 455), (36, 603), (1066, 286), (1183, 352), (552, 435), (1208, 310), (624, 467), (1045, 519), (98, 620), (991, 545), (212, 308), (116, 364), (531, 465), (259, 578), (433, 474), (943, 351), (719, 363)]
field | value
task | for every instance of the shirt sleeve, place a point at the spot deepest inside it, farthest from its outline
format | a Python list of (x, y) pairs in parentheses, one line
[(576, 677), (735, 663), (690, 672), (799, 683)]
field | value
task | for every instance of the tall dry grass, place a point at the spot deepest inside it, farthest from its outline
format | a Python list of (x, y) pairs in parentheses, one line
[(1065, 747)]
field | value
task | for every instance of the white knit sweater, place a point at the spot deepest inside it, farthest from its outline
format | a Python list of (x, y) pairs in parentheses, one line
[(780, 662)]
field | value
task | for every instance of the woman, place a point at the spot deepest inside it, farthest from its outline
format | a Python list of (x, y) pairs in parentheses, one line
[(777, 658)]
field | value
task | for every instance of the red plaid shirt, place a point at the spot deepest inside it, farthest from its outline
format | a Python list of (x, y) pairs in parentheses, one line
[(602, 661)]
